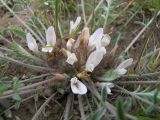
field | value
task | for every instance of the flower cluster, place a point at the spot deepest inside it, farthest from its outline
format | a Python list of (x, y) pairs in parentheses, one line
[(92, 47)]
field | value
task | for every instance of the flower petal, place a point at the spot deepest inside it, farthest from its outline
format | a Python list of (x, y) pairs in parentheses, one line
[(96, 36), (121, 71), (73, 26), (70, 43), (83, 39), (107, 85), (31, 43), (78, 20), (103, 84), (47, 49), (105, 40), (108, 90), (51, 36), (78, 87), (71, 58), (110, 85), (94, 59), (125, 63)]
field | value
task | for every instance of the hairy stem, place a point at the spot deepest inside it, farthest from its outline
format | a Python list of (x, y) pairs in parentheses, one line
[(83, 117), (37, 68), (96, 8), (68, 107), (138, 82), (83, 11), (9, 92), (35, 117)]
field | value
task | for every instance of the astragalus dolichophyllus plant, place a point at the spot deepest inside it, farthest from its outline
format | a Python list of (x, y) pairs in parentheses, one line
[(79, 56), (81, 66), (81, 62), (75, 66)]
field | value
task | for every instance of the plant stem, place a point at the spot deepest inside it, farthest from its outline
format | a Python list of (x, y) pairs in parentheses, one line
[(83, 117), (33, 67), (57, 14), (27, 87), (21, 92), (90, 108), (139, 34), (36, 77), (6, 49), (91, 16), (83, 11), (68, 107), (143, 75), (6, 40), (22, 22), (137, 82), (107, 14), (92, 22), (35, 117), (38, 19), (143, 50)]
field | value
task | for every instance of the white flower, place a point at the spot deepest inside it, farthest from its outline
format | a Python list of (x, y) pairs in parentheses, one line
[(78, 87), (94, 59), (83, 39), (74, 25), (31, 43), (47, 49), (50, 39), (108, 86), (121, 69), (71, 58), (98, 39), (105, 41), (94, 38), (69, 44)]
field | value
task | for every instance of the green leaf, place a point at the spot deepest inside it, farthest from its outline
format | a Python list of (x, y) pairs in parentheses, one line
[(18, 31), (8, 114), (61, 91), (98, 114), (104, 94), (149, 94), (109, 75), (16, 97), (16, 83), (120, 111), (4, 86), (127, 104), (19, 50)]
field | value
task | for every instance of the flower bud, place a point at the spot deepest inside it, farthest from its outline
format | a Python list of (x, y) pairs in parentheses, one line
[(84, 38)]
